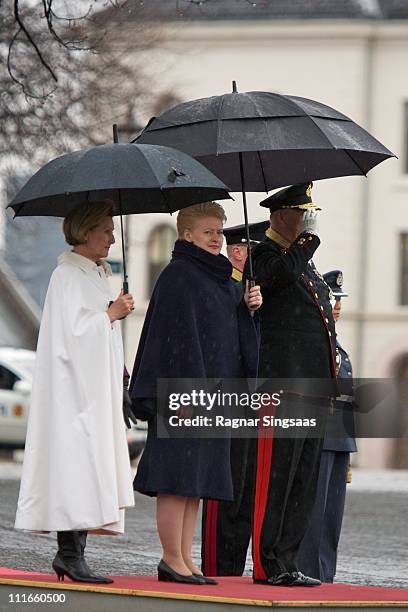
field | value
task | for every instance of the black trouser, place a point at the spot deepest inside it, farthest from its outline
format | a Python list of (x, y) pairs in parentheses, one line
[(275, 481), (318, 551), (227, 526), (287, 475)]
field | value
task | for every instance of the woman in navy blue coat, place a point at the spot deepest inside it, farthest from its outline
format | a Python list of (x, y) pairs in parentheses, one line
[(197, 326)]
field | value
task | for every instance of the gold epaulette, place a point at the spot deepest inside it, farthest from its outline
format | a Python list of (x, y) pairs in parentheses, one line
[(236, 275)]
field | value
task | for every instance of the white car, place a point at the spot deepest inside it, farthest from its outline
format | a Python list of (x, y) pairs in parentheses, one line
[(16, 375)]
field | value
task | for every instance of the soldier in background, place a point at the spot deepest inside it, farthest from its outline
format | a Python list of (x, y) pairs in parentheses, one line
[(227, 526), (237, 246), (318, 552)]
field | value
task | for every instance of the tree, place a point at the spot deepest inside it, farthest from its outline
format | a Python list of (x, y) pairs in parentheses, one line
[(66, 75), (65, 79)]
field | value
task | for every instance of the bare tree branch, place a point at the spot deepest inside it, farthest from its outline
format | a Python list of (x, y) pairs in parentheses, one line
[(30, 39), (38, 120), (38, 25), (49, 15)]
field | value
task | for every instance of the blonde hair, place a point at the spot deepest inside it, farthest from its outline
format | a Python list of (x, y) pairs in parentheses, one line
[(84, 218), (187, 217)]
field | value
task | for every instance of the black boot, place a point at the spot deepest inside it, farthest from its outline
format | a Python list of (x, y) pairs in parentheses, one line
[(70, 559)]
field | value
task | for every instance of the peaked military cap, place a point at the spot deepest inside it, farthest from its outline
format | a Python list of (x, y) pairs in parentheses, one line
[(296, 196), (237, 234), (334, 279)]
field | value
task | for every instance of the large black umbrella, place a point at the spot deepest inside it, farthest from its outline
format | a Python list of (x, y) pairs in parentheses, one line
[(138, 178), (258, 140)]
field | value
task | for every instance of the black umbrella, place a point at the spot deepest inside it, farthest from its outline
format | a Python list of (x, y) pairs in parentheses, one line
[(258, 141), (137, 178)]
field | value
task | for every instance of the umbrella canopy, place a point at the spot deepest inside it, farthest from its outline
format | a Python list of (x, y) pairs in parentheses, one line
[(283, 140), (137, 178)]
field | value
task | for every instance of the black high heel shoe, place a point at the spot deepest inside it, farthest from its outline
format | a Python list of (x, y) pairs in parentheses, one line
[(206, 579), (166, 574), (69, 560)]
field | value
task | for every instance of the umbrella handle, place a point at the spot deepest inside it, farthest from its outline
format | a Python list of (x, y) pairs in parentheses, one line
[(251, 283), (125, 287)]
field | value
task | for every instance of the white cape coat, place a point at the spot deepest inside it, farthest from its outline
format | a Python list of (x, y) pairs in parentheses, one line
[(76, 472)]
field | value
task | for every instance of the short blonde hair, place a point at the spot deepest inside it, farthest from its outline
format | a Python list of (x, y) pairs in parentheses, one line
[(187, 217), (84, 218)]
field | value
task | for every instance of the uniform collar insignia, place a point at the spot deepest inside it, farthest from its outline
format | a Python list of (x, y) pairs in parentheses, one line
[(273, 235)]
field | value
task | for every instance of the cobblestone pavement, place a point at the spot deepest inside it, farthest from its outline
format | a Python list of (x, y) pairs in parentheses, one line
[(373, 548)]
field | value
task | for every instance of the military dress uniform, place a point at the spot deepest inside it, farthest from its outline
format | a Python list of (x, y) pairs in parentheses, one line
[(318, 552), (297, 341), (281, 487), (227, 526)]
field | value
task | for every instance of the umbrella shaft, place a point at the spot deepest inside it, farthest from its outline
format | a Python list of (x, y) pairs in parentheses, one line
[(251, 271), (125, 283)]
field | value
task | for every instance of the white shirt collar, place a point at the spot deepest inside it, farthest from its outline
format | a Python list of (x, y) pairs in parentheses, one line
[(87, 265)]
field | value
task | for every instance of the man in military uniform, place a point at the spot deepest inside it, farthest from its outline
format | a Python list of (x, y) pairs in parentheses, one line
[(318, 551), (237, 245), (297, 342), (227, 526)]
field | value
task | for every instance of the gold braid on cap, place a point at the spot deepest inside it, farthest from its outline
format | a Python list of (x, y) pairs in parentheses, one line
[(305, 206)]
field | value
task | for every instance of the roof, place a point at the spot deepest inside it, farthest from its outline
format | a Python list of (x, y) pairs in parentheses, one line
[(212, 10), (20, 315)]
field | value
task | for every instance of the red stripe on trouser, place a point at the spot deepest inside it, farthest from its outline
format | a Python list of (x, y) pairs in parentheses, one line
[(210, 545), (263, 470)]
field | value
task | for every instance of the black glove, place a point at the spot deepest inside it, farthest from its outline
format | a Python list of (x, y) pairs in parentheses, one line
[(128, 415)]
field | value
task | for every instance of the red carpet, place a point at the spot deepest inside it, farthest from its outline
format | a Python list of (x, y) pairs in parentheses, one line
[(230, 588)]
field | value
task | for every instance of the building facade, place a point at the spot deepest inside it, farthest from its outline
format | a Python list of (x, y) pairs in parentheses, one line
[(358, 66)]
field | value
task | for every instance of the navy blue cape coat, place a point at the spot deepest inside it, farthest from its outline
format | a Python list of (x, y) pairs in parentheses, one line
[(196, 326)]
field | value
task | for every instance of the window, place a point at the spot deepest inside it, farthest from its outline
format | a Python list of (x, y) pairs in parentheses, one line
[(116, 266), (160, 246), (405, 144), (400, 458), (404, 269)]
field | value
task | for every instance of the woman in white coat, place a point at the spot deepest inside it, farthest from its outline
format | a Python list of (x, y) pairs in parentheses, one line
[(76, 473)]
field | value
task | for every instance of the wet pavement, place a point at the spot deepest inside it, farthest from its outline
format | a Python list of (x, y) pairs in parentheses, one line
[(373, 548)]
